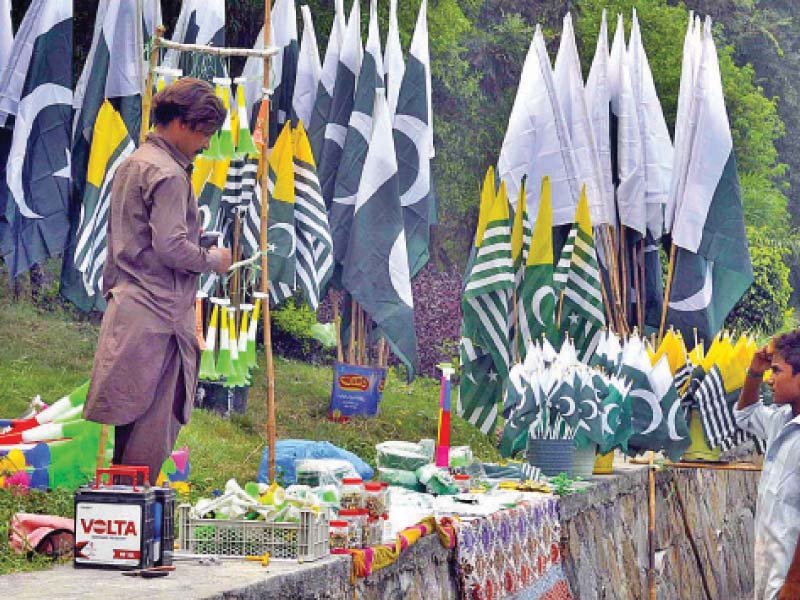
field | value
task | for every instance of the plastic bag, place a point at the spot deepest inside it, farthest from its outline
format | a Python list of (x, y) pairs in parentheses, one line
[(399, 477), (437, 481), (407, 456), (314, 472)]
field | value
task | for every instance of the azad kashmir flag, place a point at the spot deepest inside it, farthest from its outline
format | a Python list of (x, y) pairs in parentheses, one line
[(376, 267), (486, 308), (314, 244), (536, 298), (582, 317), (113, 73), (712, 262), (359, 131), (413, 141), (35, 112), (111, 145)]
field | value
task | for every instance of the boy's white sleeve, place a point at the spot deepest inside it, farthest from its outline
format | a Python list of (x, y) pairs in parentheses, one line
[(755, 419)]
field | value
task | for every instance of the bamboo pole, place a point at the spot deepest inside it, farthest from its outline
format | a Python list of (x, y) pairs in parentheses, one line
[(237, 227), (623, 263), (351, 350), (610, 241), (264, 53), (337, 324), (651, 531), (737, 466), (667, 290), (147, 97), (270, 367)]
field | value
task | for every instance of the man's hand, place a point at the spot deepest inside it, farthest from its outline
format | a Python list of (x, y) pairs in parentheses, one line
[(222, 259)]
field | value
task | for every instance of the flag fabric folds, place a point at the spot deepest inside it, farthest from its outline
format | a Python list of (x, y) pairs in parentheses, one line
[(582, 317), (393, 65), (413, 141), (36, 102), (111, 145), (712, 264), (309, 70), (376, 268), (314, 243), (356, 141)]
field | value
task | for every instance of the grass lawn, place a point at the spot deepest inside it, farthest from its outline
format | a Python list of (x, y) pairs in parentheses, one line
[(50, 353)]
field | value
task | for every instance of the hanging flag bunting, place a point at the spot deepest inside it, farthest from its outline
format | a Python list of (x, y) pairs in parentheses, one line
[(712, 265), (111, 145), (309, 71), (34, 194), (413, 140), (376, 267), (327, 82), (359, 132)]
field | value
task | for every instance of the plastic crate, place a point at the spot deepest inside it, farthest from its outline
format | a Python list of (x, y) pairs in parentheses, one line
[(305, 541)]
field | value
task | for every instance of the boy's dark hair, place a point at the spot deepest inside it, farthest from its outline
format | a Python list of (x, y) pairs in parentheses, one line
[(788, 347), (193, 101)]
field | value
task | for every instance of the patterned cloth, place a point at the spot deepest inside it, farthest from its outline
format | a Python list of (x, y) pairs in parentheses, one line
[(369, 560), (513, 554)]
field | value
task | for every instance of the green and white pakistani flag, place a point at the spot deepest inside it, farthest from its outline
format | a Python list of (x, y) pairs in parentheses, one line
[(327, 82), (283, 68), (359, 132), (489, 283), (712, 264), (309, 70), (376, 267), (413, 141), (536, 298), (314, 243), (199, 22), (393, 64), (336, 127), (36, 108), (111, 145), (113, 72), (582, 317)]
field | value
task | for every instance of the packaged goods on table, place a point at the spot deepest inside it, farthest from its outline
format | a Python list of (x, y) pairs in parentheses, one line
[(352, 494), (339, 537), (374, 499), (407, 456)]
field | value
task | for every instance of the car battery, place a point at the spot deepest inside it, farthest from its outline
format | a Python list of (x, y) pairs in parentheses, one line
[(115, 524), (164, 521)]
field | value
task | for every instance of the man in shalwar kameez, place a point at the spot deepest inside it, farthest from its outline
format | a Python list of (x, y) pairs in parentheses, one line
[(145, 368)]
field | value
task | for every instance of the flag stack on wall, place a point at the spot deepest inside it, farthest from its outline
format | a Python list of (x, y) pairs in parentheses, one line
[(607, 166)]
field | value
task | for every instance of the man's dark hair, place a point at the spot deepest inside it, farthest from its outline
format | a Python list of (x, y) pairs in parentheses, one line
[(193, 102), (788, 347)]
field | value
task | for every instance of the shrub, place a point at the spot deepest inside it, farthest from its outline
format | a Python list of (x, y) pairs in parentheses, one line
[(293, 333), (764, 306)]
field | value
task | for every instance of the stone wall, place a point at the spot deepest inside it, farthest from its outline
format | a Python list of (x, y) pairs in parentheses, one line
[(704, 535)]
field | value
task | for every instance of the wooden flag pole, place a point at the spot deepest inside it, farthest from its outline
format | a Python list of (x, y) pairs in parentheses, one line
[(270, 367), (651, 530), (351, 350), (337, 324), (667, 290)]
